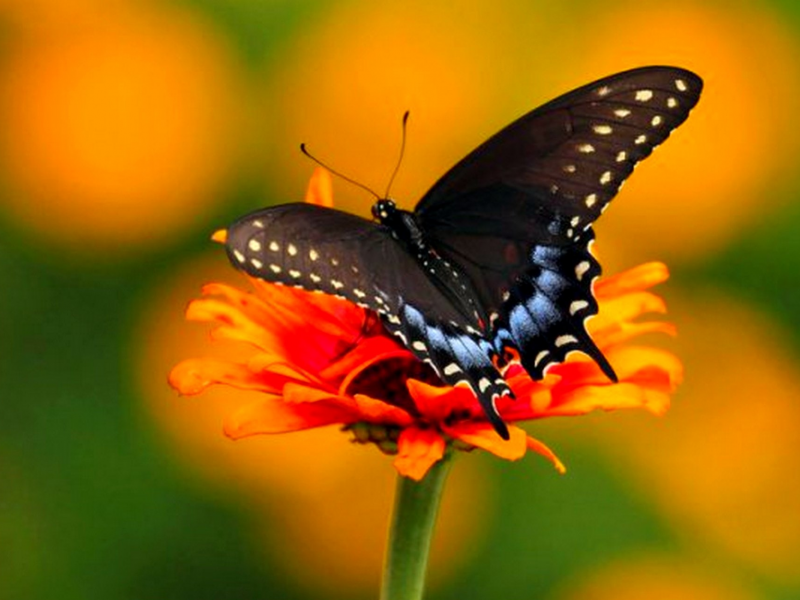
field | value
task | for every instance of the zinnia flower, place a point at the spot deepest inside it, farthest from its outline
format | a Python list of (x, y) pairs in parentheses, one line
[(318, 360)]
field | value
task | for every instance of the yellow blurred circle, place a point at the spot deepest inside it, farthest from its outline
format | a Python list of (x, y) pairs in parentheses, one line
[(722, 463), (723, 167), (320, 504), (653, 578), (119, 131), (346, 83)]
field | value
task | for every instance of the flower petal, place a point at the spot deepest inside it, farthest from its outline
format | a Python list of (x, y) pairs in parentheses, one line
[(320, 188), (192, 376), (482, 435), (417, 451), (540, 448), (647, 378), (436, 403), (633, 280), (272, 415)]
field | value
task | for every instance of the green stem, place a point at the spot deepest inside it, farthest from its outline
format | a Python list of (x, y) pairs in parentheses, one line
[(416, 505)]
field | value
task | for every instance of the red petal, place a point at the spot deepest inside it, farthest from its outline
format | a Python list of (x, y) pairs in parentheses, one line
[(273, 415), (417, 451), (195, 375)]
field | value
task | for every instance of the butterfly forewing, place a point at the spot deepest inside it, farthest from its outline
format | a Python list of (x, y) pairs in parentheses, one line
[(534, 190), (325, 250)]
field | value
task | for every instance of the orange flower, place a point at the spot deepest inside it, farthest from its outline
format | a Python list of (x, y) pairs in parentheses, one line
[(319, 360)]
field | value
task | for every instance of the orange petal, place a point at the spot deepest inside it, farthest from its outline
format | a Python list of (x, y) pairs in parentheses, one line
[(436, 403), (378, 411), (417, 451), (633, 280), (541, 448), (273, 415), (220, 236), (320, 188), (481, 435), (622, 309), (195, 375)]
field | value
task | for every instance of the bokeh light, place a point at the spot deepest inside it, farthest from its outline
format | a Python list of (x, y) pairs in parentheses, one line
[(120, 131), (720, 463)]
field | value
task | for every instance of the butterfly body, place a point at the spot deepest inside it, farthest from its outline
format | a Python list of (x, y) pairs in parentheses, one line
[(495, 259)]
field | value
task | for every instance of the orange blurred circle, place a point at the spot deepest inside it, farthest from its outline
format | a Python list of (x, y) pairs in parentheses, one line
[(723, 167), (347, 82), (722, 462), (120, 131), (654, 578), (320, 503)]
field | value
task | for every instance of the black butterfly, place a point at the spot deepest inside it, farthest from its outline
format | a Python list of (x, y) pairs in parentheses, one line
[(494, 260)]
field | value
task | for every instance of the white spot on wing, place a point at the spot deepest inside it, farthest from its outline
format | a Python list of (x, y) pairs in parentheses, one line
[(671, 102), (644, 95), (315, 278), (275, 269), (337, 284), (359, 293), (256, 263), (274, 246), (681, 85), (656, 121), (591, 199), (585, 148), (451, 369), (577, 306), (603, 129), (254, 245), (313, 254), (295, 274), (563, 340), (258, 224), (622, 156), (419, 346), (291, 249), (622, 112), (569, 168), (603, 91), (540, 357), (484, 384), (581, 268), (640, 140), (605, 177)]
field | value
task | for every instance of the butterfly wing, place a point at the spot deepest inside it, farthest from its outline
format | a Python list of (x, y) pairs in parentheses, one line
[(515, 215), (322, 249)]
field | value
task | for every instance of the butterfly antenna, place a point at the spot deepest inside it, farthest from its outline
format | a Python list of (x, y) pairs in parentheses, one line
[(400, 159), (337, 173)]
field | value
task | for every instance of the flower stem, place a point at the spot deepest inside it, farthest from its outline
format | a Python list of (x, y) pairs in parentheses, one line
[(416, 505)]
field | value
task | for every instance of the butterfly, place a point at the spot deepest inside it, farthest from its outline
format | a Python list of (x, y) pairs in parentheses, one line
[(493, 266)]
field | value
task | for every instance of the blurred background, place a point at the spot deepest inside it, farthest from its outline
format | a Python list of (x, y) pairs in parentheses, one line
[(130, 130)]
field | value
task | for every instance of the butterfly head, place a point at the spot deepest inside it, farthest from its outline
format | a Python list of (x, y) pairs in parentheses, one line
[(384, 210)]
